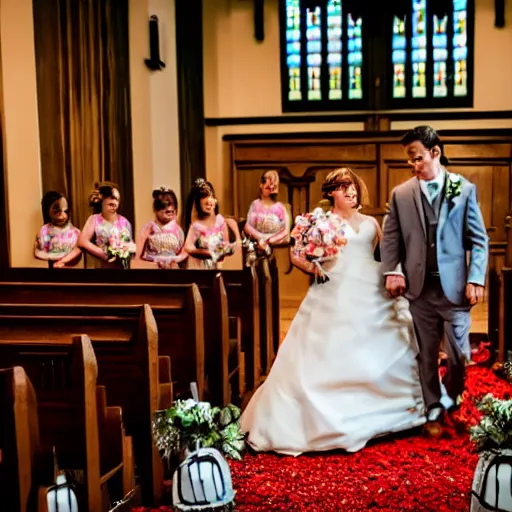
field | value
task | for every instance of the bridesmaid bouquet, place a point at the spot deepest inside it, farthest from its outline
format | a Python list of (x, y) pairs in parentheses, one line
[(318, 236), (217, 246), (120, 246)]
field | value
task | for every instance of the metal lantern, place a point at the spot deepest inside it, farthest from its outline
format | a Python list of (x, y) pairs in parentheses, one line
[(492, 483), (61, 497), (203, 481)]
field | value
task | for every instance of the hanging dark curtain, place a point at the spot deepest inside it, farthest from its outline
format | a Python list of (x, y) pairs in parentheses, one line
[(4, 231), (82, 64), (189, 57)]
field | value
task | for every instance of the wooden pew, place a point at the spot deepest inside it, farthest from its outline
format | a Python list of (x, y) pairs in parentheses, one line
[(216, 326), (237, 292), (276, 310), (125, 342), (500, 300), (70, 417), (19, 444), (234, 290), (244, 304), (241, 288), (178, 310), (266, 290), (240, 305)]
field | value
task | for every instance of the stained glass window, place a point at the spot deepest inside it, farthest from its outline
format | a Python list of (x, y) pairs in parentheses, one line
[(314, 52), (355, 56), (440, 56), (431, 42), (460, 47), (347, 54), (419, 49), (399, 57), (334, 48), (293, 48), (323, 62)]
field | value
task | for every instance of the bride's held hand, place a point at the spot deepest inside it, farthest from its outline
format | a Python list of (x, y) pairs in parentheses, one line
[(395, 285)]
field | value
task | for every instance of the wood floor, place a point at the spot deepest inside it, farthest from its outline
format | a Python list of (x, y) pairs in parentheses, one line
[(289, 308)]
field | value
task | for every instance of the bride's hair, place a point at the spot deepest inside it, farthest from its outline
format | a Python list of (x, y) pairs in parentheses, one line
[(344, 177)]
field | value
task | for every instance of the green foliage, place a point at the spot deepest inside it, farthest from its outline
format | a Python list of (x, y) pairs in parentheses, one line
[(495, 428), (188, 424)]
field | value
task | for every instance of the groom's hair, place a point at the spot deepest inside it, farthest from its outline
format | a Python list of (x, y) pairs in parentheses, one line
[(428, 137)]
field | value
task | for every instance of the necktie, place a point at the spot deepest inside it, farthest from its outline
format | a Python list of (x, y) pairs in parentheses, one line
[(432, 188)]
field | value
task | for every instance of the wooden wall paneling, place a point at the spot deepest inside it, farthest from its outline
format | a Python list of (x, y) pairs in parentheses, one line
[(477, 151), (298, 185), (392, 171), (248, 182), (501, 201), (314, 152), (393, 174)]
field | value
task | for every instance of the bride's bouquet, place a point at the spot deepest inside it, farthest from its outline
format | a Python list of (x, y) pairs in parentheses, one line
[(120, 246), (318, 237)]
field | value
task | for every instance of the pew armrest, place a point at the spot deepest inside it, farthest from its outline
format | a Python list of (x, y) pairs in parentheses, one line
[(111, 432), (164, 369), (128, 466), (166, 396)]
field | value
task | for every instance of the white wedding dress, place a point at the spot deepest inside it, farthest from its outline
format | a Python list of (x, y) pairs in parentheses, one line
[(346, 371)]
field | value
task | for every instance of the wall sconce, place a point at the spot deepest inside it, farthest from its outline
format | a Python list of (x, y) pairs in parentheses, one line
[(154, 63)]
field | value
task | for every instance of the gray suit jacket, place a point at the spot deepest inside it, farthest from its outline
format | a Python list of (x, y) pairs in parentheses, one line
[(460, 230)]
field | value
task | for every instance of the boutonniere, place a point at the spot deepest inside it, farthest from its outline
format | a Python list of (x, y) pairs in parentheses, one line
[(453, 186)]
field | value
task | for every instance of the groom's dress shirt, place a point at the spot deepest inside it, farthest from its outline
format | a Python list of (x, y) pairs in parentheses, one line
[(431, 199), (438, 180)]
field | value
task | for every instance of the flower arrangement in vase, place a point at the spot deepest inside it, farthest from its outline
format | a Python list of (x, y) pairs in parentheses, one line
[(187, 423)]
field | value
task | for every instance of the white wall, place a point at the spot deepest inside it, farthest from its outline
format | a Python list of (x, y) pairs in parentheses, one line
[(20, 129), (154, 102)]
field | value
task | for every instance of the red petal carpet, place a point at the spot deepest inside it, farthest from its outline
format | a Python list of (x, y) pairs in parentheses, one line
[(413, 472)]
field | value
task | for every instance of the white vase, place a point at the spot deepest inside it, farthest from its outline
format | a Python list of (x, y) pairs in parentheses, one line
[(492, 482)]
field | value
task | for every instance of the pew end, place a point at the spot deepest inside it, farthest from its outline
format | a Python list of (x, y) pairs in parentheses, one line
[(19, 443)]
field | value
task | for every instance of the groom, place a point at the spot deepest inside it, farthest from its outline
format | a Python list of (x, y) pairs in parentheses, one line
[(434, 223)]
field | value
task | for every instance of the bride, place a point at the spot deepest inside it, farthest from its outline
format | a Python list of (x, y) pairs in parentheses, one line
[(346, 371)]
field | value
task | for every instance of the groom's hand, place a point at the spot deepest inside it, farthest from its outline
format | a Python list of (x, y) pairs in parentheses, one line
[(395, 285), (474, 293)]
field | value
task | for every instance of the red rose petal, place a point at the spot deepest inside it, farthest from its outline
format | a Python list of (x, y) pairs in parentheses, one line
[(414, 473)]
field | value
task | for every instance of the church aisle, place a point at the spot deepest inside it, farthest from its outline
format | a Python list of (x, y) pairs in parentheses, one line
[(406, 473)]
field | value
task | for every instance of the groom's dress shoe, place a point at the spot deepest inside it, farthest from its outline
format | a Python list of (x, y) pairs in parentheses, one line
[(435, 418), (435, 414)]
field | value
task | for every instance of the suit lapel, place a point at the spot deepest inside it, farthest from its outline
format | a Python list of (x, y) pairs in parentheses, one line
[(443, 215), (419, 205), (446, 207)]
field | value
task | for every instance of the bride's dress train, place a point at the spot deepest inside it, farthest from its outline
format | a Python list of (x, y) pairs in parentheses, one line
[(346, 371)]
